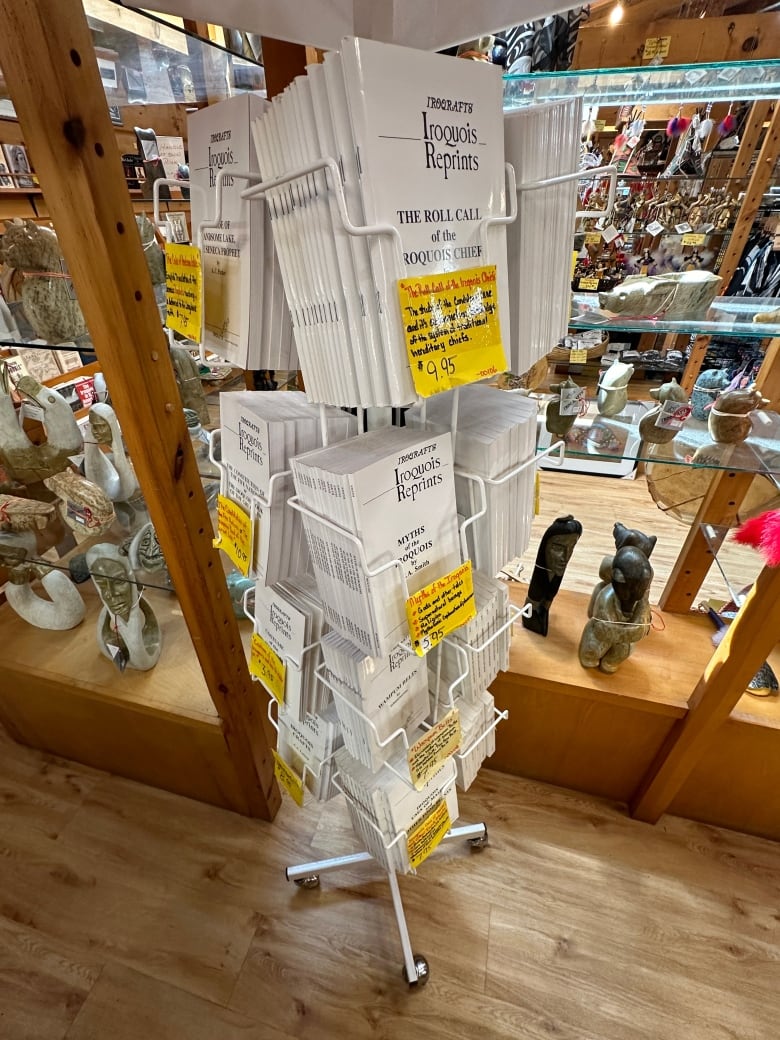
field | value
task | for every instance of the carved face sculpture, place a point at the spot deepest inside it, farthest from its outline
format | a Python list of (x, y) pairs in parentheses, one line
[(558, 552), (150, 554), (115, 589), (101, 429)]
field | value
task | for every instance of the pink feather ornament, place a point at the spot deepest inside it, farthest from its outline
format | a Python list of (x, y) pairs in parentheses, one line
[(727, 125), (762, 533), (677, 126)]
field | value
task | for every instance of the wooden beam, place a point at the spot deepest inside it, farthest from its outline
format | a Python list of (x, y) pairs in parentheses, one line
[(747, 644), (282, 62), (47, 56)]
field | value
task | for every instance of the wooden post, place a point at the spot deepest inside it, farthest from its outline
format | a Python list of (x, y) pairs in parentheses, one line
[(747, 644), (48, 60)]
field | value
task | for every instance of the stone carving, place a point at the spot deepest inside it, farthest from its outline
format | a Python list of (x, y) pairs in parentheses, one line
[(112, 473), (552, 557), (155, 258), (729, 423), (707, 388), (683, 294), (671, 391), (187, 374), (144, 551), (47, 295), (64, 607), (128, 632), (84, 506), (24, 461), (619, 609), (557, 424), (612, 394)]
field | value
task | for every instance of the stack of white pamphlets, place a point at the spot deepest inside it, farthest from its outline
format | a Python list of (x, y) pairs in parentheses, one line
[(375, 697), (478, 739), (541, 141), (290, 618), (495, 432), (312, 744), (382, 805), (246, 317), (261, 431), (466, 647), (417, 142), (393, 492)]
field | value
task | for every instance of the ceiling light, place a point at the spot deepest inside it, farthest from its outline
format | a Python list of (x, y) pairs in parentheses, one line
[(616, 14)]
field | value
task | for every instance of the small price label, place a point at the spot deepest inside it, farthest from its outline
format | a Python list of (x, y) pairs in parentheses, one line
[(656, 47), (183, 290), (588, 284), (440, 608), (593, 238), (288, 778), (672, 415), (571, 400), (693, 238), (267, 666), (578, 356), (683, 229), (655, 228), (609, 234), (451, 326), (599, 125), (234, 533), (429, 832), (428, 753)]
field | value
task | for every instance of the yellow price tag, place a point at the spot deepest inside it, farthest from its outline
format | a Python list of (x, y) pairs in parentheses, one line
[(593, 238), (183, 280), (588, 283), (267, 666), (574, 257), (288, 778), (599, 125), (429, 832), (453, 336), (656, 47), (694, 238), (578, 356), (537, 493), (439, 743), (440, 608), (234, 533)]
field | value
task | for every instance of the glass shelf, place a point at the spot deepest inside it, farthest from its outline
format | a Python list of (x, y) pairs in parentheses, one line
[(717, 81), (612, 445), (728, 316)]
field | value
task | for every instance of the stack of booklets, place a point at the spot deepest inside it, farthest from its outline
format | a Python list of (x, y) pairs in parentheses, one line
[(375, 697), (246, 317), (261, 431), (495, 432), (311, 743), (382, 805), (541, 141), (478, 739), (448, 662), (418, 143), (393, 491), (290, 618)]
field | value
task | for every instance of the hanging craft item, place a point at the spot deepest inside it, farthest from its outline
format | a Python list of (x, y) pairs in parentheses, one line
[(707, 124), (727, 125), (677, 125)]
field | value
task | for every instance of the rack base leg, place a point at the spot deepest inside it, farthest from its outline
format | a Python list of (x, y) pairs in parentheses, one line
[(415, 970)]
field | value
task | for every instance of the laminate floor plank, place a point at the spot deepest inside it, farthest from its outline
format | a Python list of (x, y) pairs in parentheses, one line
[(127, 1005), (43, 983), (576, 922)]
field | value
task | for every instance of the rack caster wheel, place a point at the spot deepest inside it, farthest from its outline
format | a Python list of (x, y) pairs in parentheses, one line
[(312, 881), (422, 969), (480, 842)]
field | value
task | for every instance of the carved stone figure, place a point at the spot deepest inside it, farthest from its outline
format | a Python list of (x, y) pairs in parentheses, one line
[(64, 607), (612, 394), (707, 388), (558, 424), (84, 506), (24, 461), (671, 391), (144, 552), (155, 258), (552, 557), (729, 419), (47, 295), (128, 632), (185, 368), (619, 610), (112, 473), (682, 294)]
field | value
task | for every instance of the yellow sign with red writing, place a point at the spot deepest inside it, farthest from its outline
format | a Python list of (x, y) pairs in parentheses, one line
[(234, 533), (440, 608), (429, 832), (183, 290), (267, 666)]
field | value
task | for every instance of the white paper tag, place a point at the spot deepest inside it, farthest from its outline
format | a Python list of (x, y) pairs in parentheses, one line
[(610, 233), (655, 228), (706, 228), (672, 415), (571, 400), (683, 229)]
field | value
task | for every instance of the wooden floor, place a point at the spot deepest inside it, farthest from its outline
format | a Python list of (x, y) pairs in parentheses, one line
[(130, 914)]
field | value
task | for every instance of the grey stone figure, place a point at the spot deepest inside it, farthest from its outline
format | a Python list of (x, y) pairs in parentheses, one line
[(552, 557)]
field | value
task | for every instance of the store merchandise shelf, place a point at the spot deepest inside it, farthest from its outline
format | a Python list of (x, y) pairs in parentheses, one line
[(715, 81), (728, 316)]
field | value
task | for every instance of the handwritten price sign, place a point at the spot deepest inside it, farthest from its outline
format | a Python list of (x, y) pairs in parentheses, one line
[(428, 753), (451, 327), (267, 666), (234, 533), (183, 278), (440, 608), (428, 833), (288, 778)]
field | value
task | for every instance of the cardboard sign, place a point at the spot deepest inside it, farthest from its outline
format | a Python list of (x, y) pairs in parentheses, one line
[(234, 533), (428, 753), (183, 295), (693, 238), (428, 833), (288, 778), (451, 326), (267, 666), (440, 608), (588, 284)]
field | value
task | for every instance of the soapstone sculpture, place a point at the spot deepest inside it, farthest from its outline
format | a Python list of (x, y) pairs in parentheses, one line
[(128, 632), (552, 557), (24, 461), (671, 391), (612, 394)]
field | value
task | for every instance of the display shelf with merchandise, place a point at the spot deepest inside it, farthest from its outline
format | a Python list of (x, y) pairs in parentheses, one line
[(733, 316)]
